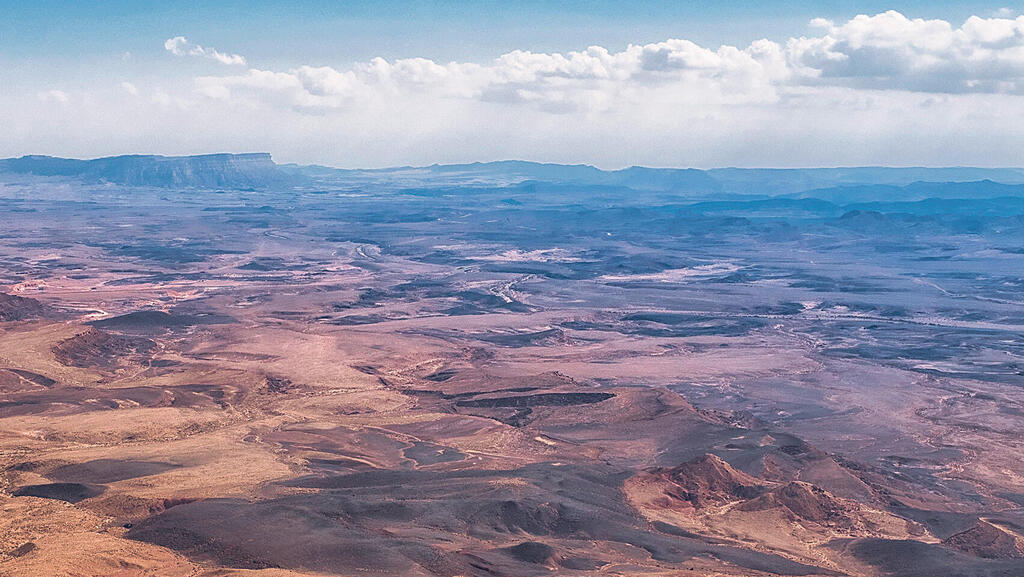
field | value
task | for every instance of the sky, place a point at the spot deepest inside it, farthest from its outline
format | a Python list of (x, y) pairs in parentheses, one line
[(613, 84)]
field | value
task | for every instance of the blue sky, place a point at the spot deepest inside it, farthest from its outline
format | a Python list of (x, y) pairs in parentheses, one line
[(88, 79), (344, 31)]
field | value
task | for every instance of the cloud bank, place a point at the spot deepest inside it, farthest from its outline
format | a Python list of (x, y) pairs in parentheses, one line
[(879, 89), (887, 51)]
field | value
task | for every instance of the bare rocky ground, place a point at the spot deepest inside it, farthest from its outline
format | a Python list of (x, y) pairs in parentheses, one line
[(242, 385)]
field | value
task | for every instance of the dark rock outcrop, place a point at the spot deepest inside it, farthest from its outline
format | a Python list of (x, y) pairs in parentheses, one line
[(708, 480), (986, 540)]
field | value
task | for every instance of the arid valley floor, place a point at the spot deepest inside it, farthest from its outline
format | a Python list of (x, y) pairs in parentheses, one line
[(476, 372)]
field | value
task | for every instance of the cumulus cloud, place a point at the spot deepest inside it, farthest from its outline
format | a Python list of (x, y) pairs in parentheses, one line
[(891, 51), (593, 79), (886, 51), (879, 89), (180, 46), (130, 88)]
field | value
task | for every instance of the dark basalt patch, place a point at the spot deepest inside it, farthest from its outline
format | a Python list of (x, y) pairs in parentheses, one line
[(531, 552), (278, 384), (18, 308), (540, 400), (337, 529), (989, 541), (34, 378), (78, 399), (164, 363), (662, 324), (22, 550), (358, 320), (582, 563), (896, 558), (515, 340), (450, 396), (149, 320), (269, 264), (70, 492), (94, 348), (440, 376), (301, 533), (108, 470)]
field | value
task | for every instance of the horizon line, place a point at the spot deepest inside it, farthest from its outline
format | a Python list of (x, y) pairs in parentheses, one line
[(511, 160)]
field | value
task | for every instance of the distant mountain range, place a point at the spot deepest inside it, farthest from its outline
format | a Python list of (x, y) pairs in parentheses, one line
[(257, 171), (232, 171)]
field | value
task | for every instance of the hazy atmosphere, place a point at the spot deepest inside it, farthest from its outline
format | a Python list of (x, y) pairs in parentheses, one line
[(532, 289), (397, 83)]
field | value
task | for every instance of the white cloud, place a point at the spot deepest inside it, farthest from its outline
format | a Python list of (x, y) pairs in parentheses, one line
[(180, 46), (130, 88), (891, 51), (881, 89), (58, 96), (886, 51), (593, 79)]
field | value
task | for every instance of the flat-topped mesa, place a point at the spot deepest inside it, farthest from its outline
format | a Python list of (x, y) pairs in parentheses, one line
[(235, 171)]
